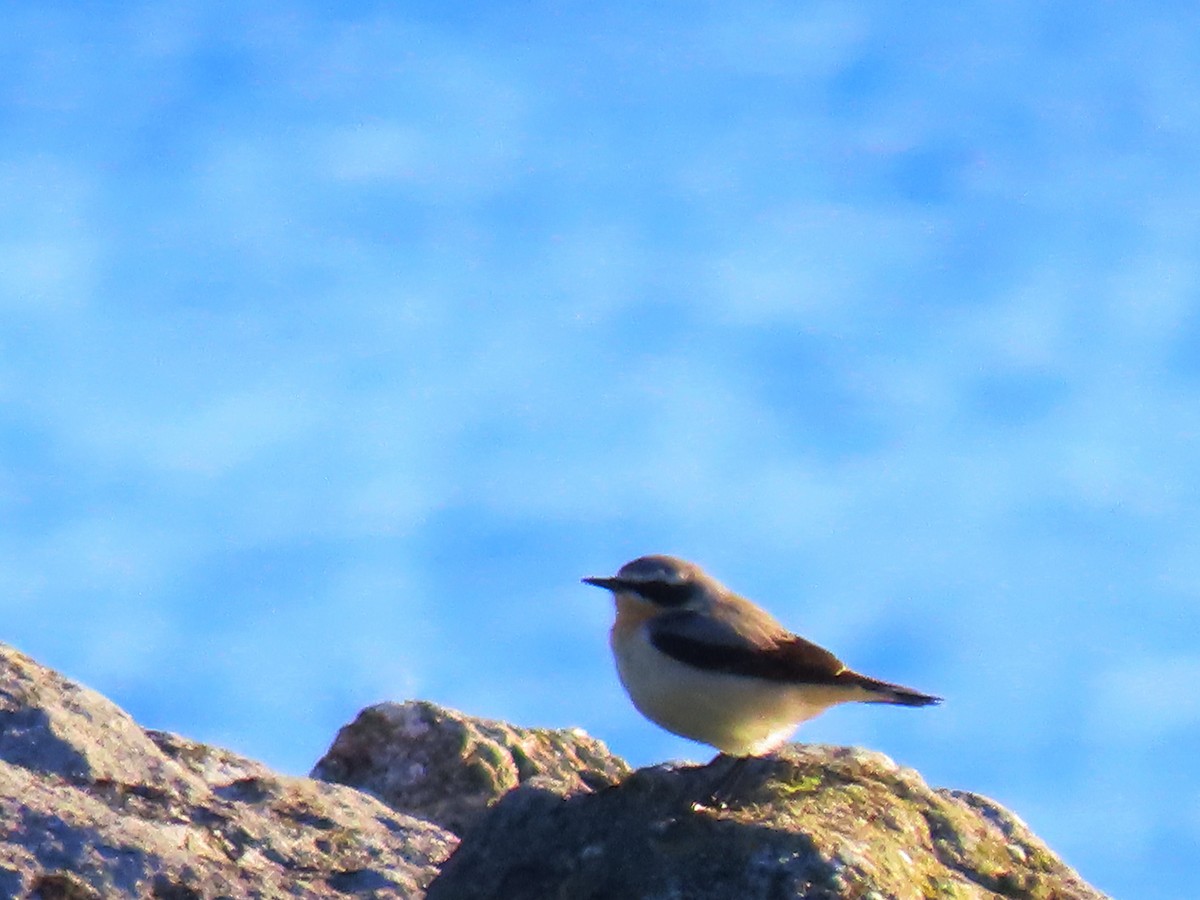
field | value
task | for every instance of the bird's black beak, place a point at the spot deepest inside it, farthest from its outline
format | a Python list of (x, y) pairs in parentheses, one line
[(609, 584)]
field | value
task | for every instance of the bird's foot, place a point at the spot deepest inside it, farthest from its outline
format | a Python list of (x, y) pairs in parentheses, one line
[(723, 794)]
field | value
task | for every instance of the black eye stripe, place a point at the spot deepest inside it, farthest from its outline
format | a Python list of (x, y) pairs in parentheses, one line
[(664, 593)]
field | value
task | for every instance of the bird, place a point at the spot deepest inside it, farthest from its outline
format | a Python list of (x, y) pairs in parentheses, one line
[(709, 665)]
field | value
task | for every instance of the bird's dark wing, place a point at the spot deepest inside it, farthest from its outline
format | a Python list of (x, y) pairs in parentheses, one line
[(714, 645)]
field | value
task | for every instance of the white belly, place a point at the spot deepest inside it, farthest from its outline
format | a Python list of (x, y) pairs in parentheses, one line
[(737, 715)]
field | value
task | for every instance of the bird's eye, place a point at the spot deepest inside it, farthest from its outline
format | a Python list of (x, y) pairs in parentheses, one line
[(665, 593)]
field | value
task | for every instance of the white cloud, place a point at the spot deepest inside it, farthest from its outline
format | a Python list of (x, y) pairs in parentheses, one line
[(229, 431), (820, 266), (780, 41), (1146, 701)]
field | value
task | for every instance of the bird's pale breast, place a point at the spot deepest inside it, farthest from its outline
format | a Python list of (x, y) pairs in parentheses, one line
[(737, 715)]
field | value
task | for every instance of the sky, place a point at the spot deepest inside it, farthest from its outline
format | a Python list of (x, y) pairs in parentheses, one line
[(338, 341)]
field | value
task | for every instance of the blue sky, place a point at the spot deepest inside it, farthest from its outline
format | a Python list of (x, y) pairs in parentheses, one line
[(337, 342)]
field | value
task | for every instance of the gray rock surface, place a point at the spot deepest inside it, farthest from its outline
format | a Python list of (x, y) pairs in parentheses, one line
[(95, 807), (448, 768), (814, 822)]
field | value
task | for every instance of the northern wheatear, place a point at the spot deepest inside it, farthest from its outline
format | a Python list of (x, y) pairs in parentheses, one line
[(709, 665)]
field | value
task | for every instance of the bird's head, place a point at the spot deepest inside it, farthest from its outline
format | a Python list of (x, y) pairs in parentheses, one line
[(666, 582)]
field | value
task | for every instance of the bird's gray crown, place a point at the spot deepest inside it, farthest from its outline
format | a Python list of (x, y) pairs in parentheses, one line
[(664, 569)]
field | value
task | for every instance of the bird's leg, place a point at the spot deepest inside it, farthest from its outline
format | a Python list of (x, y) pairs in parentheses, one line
[(722, 793)]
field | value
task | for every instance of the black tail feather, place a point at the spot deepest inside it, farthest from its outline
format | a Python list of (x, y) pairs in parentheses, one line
[(886, 692)]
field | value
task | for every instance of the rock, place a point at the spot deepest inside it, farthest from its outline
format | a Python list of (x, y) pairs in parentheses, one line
[(813, 822), (448, 768), (95, 807)]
